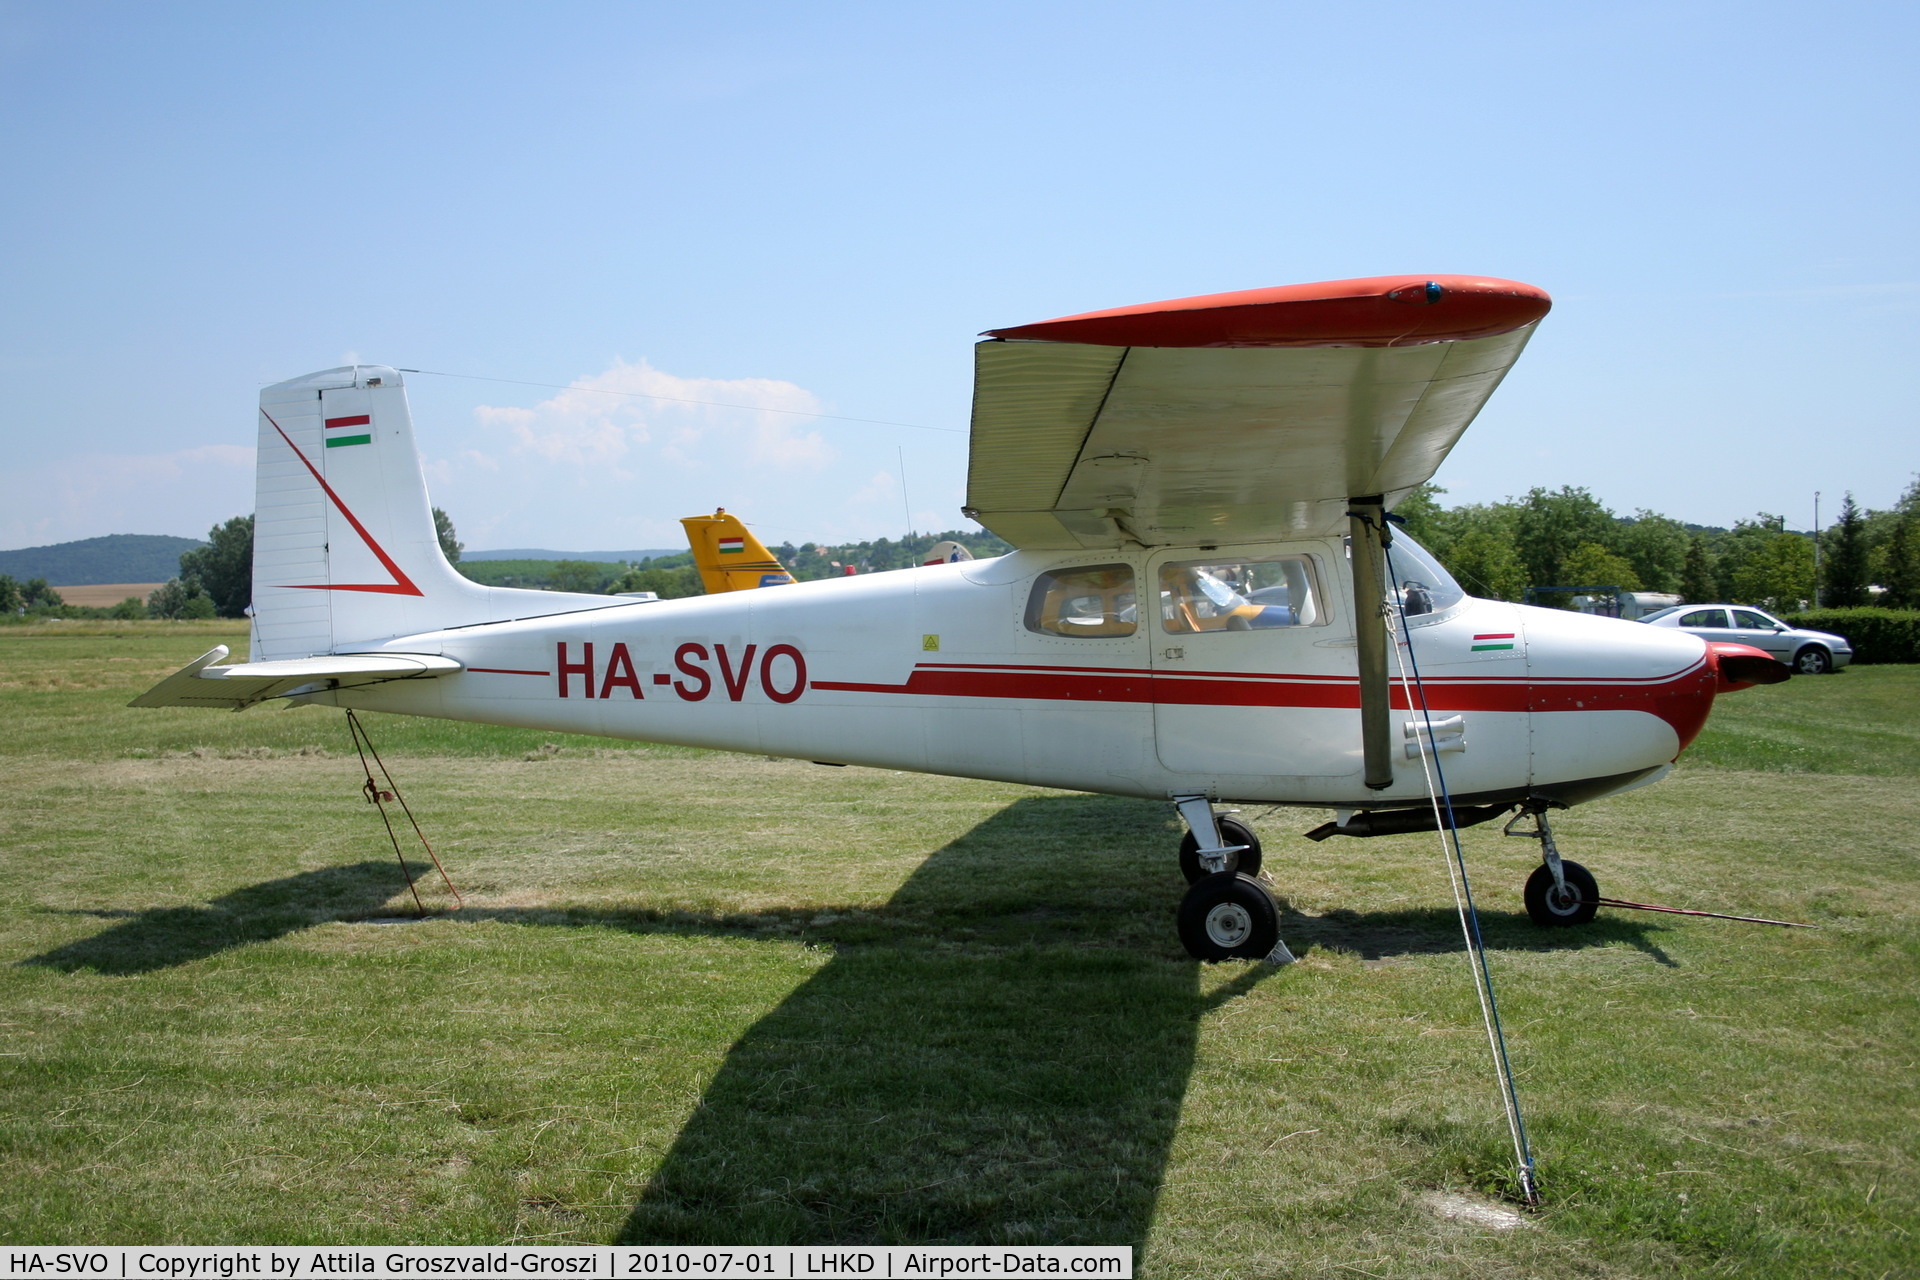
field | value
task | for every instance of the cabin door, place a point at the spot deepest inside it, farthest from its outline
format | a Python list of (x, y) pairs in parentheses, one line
[(1253, 662)]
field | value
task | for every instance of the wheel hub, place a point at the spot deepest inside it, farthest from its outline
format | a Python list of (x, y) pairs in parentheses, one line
[(1229, 924)]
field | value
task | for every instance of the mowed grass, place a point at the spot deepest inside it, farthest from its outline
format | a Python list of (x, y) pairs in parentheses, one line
[(1863, 720), (706, 997)]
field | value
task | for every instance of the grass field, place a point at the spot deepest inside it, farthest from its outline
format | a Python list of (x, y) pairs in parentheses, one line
[(708, 997)]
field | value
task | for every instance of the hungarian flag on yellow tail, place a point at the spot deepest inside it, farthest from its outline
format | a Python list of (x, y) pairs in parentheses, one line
[(729, 557)]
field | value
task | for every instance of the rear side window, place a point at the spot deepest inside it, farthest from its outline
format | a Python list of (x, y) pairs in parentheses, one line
[(1704, 618), (1096, 600)]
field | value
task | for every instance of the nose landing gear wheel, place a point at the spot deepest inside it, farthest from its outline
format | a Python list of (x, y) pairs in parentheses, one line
[(1227, 916), (1576, 906), (1232, 831)]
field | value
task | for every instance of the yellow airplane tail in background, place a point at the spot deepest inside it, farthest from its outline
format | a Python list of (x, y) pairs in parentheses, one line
[(729, 557)]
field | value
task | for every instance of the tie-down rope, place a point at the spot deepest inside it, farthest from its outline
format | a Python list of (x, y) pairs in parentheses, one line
[(1463, 895), (377, 796)]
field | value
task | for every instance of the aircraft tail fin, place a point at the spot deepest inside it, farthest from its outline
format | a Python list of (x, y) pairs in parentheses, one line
[(729, 557), (345, 554)]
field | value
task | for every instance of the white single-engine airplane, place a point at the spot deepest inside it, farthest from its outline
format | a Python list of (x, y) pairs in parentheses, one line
[(1206, 603)]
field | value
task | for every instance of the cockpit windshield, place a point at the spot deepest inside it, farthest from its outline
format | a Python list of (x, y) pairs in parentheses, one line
[(1423, 583)]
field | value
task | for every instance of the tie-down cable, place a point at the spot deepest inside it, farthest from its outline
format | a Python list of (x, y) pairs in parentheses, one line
[(379, 796), (1456, 861)]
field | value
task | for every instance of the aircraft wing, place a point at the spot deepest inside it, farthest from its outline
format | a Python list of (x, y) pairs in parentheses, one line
[(1234, 417), (202, 683)]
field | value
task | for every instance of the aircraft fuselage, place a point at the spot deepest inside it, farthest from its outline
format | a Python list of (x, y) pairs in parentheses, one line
[(948, 669)]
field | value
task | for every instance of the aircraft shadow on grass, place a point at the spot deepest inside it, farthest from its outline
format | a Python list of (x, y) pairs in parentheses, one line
[(162, 937), (1003, 1061), (998, 1054)]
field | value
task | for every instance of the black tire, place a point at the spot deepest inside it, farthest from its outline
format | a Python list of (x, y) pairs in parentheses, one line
[(1232, 831), (1812, 661), (1582, 902), (1228, 917)]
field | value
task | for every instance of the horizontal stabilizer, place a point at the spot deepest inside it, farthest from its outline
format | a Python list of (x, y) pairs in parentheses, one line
[(203, 683)]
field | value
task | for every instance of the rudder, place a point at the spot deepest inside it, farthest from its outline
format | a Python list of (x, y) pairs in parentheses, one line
[(345, 554), (729, 557)]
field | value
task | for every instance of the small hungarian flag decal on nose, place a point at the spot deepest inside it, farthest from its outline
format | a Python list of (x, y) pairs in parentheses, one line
[(1502, 641), (732, 545)]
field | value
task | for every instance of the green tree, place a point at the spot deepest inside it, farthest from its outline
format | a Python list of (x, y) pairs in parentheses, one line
[(1745, 541), (1657, 548), (1900, 563), (1847, 560), (1487, 564), (36, 594), (1424, 518), (450, 546), (668, 584), (1550, 525), (179, 598), (10, 600), (223, 569), (1777, 574), (1699, 583), (575, 575), (128, 609), (1592, 565)]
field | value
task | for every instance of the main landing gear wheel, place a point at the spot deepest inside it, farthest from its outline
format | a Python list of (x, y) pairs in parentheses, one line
[(1232, 832), (1227, 916), (1550, 908)]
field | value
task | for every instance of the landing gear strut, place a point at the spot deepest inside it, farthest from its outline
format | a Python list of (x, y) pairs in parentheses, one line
[(1233, 833), (1558, 892), (1226, 914)]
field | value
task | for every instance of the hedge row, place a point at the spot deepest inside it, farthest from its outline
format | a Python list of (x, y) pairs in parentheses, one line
[(1877, 635)]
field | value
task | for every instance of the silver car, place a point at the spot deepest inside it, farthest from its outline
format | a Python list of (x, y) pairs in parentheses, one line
[(1809, 653)]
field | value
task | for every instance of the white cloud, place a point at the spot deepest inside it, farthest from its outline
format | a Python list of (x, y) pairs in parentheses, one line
[(637, 415), (585, 469), (883, 487)]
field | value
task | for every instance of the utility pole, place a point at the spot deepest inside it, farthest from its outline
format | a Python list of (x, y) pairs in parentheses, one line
[(1816, 548)]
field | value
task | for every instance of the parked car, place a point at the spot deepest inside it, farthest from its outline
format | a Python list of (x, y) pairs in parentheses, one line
[(1809, 653)]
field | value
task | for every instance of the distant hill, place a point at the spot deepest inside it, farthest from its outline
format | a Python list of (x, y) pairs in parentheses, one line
[(536, 553), (118, 557)]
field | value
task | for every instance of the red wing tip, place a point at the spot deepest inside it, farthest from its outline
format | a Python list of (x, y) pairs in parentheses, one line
[(1378, 311)]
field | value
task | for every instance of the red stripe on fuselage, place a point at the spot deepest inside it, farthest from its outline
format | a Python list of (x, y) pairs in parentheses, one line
[(358, 420), (1682, 698)]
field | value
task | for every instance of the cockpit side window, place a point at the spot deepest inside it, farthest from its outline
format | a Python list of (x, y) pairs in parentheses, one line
[(1239, 595), (1095, 600)]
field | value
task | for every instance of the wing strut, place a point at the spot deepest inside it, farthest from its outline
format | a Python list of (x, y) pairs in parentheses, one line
[(1367, 520)]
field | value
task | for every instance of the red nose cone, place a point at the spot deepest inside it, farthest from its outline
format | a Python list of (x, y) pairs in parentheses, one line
[(1741, 666)]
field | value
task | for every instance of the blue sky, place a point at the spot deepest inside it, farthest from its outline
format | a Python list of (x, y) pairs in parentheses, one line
[(816, 208)]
